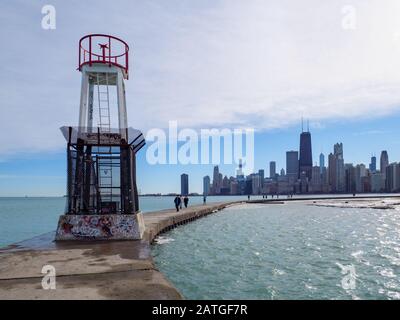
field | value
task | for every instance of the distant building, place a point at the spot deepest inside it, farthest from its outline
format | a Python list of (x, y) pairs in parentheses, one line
[(392, 177), (217, 181), (305, 159), (384, 163), (262, 177), (239, 172), (292, 165), (184, 184), (234, 187), (316, 183), (206, 185), (332, 172), (255, 183), (272, 169), (283, 172), (321, 162), (340, 173), (372, 165), (377, 182), (350, 178), (360, 171)]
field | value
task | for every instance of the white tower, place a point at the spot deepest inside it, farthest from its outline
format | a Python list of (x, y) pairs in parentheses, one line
[(102, 196), (103, 61)]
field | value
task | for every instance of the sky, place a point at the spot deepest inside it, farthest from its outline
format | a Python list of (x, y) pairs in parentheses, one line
[(206, 64)]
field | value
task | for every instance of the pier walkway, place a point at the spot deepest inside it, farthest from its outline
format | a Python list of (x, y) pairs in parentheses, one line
[(94, 269)]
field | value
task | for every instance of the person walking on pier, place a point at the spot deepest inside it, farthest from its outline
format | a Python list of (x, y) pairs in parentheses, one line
[(186, 201), (180, 201), (204, 199), (177, 202)]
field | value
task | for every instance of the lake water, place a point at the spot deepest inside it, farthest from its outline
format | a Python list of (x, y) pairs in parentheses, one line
[(272, 251), (24, 218), (289, 251)]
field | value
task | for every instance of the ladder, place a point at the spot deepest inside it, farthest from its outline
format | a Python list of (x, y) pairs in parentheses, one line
[(105, 173), (103, 98)]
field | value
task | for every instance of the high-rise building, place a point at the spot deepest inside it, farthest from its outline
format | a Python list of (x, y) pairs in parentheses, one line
[(239, 172), (360, 172), (350, 178), (206, 185), (377, 182), (372, 165), (384, 163), (217, 181), (321, 162), (340, 173), (305, 159), (292, 164), (255, 183), (272, 169), (392, 177), (316, 183), (184, 184), (282, 172), (332, 172), (262, 176)]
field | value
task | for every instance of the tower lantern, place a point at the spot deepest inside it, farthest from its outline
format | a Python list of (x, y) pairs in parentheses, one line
[(102, 196)]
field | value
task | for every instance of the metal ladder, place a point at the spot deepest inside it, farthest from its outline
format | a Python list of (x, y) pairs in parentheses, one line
[(103, 98), (104, 124)]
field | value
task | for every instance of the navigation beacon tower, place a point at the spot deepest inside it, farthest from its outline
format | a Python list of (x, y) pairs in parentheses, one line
[(102, 196)]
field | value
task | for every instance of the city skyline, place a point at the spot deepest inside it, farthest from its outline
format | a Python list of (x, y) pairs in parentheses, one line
[(45, 177), (344, 80), (301, 177)]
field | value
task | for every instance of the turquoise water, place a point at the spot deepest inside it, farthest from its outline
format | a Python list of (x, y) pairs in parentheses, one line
[(289, 251), (24, 218)]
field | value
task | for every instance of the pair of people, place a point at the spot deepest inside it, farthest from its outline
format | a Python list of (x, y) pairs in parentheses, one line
[(179, 200)]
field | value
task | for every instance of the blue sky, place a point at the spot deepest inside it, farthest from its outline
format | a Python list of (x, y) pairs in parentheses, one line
[(223, 64)]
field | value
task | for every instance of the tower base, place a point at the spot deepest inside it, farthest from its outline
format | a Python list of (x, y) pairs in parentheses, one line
[(100, 227)]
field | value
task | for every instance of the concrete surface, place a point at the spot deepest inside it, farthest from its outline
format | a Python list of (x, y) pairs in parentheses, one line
[(94, 269)]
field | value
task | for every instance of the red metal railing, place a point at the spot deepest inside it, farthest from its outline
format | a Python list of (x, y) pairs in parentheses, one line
[(109, 50)]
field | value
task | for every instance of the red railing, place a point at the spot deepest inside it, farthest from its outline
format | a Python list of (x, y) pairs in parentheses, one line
[(102, 48)]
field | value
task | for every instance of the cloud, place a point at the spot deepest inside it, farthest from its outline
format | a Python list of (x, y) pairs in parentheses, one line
[(260, 64)]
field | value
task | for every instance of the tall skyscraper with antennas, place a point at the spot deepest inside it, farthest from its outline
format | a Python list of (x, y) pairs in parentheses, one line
[(305, 159)]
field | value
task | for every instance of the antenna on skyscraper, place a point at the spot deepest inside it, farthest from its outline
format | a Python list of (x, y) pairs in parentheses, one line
[(302, 127), (308, 125)]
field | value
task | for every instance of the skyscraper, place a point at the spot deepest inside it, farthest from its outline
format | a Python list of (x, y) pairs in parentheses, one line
[(184, 184), (372, 165), (340, 172), (305, 160), (359, 174), (350, 178), (384, 163), (261, 174), (206, 185), (292, 165), (321, 163), (392, 177), (332, 172), (217, 181), (239, 172), (272, 169)]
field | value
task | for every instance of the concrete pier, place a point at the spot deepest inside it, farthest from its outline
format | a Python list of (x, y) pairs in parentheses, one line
[(94, 269)]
